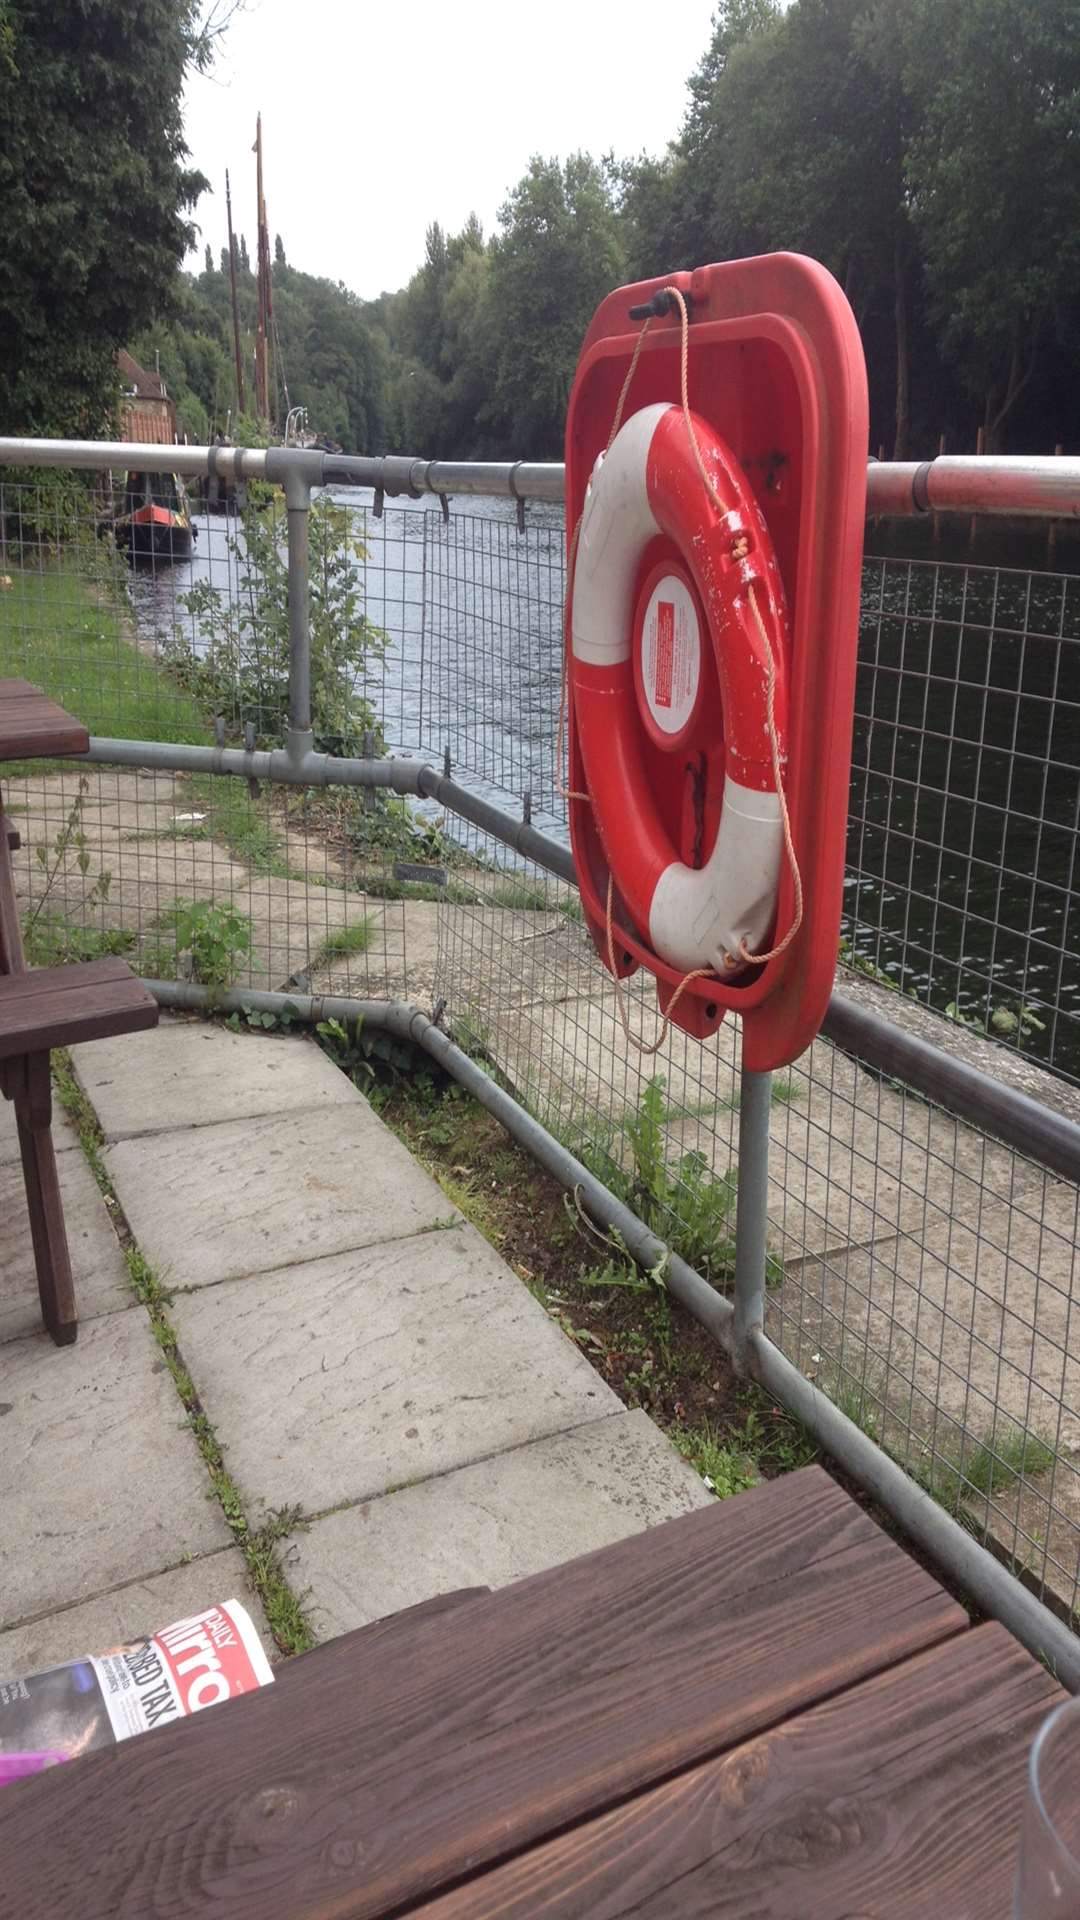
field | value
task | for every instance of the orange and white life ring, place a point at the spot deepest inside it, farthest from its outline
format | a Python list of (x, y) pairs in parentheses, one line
[(637, 640)]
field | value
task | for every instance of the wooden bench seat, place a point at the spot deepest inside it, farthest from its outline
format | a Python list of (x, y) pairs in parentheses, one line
[(45, 1008), (59, 1006), (48, 1007)]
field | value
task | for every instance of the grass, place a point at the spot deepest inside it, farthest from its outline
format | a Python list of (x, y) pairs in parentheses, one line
[(519, 895), (72, 639), (355, 938), (260, 1546), (238, 822), (82, 1116), (985, 1467), (724, 1467), (52, 940)]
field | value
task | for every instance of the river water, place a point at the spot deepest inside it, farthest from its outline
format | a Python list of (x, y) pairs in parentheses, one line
[(965, 790)]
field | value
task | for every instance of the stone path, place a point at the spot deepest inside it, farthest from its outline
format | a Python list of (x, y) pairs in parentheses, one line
[(370, 1367)]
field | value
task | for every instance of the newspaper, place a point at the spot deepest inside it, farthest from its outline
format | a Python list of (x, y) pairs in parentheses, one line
[(67, 1711)]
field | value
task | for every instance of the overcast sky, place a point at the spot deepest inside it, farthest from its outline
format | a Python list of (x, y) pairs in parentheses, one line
[(379, 118)]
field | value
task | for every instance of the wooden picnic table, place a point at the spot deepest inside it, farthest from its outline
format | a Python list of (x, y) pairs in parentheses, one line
[(48, 1007), (765, 1708)]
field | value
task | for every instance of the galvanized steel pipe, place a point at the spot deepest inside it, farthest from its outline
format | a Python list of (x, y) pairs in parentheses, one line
[(1023, 485)]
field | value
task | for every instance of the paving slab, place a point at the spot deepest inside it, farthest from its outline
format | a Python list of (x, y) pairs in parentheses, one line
[(63, 1133), (100, 1484), (957, 1326), (485, 1525), (246, 1196), (97, 1264), (185, 1073), (131, 1612), (343, 1377)]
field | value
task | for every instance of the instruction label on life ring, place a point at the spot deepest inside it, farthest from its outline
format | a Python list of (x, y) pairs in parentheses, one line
[(670, 654)]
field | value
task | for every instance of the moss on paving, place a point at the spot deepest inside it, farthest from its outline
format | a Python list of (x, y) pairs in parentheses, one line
[(284, 1609)]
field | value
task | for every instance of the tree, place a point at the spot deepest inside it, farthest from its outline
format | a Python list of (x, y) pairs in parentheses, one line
[(559, 252), (94, 191), (994, 173)]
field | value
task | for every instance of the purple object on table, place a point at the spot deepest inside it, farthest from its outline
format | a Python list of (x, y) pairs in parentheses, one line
[(15, 1766)]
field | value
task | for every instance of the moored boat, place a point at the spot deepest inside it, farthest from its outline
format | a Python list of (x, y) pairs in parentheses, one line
[(156, 520)]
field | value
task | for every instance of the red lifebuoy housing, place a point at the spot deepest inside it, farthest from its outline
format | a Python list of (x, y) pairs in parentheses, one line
[(687, 862), (643, 634)]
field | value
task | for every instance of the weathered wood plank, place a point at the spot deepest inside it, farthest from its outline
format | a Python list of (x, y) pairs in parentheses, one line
[(43, 1202), (19, 689), (900, 1797), (59, 1006), (391, 1774), (33, 726)]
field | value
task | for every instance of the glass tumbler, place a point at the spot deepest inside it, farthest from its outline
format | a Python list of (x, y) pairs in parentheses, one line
[(1048, 1872)]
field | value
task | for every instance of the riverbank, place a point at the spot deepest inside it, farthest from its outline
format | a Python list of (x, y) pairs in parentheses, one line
[(69, 636)]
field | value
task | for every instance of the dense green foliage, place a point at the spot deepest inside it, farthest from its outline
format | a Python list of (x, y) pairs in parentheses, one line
[(925, 150), (332, 359), (94, 190), (238, 665)]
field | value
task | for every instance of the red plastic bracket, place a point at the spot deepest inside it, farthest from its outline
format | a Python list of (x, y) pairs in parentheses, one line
[(776, 366)]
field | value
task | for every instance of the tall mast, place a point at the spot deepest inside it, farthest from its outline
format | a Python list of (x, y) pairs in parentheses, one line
[(262, 401), (237, 355)]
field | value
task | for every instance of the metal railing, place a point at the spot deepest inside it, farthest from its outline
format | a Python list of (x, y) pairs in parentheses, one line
[(902, 1265)]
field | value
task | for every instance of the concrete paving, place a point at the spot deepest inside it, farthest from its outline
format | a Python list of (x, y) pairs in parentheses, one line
[(99, 1483), (332, 1381), (493, 1522), (131, 1613), (220, 1201), (370, 1366), (192, 1075), (95, 1250)]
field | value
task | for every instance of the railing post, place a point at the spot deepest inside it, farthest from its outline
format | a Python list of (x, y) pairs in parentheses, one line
[(298, 514), (751, 1219)]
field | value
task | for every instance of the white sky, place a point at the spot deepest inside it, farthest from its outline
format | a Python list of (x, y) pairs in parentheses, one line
[(380, 116)]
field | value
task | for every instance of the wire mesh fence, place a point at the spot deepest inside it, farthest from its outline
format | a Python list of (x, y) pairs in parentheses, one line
[(962, 850), (922, 1273)]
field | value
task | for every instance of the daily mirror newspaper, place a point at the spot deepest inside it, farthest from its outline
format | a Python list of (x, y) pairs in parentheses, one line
[(58, 1715)]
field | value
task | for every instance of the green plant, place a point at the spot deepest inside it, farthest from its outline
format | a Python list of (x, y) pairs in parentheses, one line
[(82, 1116), (385, 887), (464, 1192), (725, 1469), (216, 938), (684, 1203), (244, 671), (281, 1022), (984, 1467), (68, 845), (615, 1273), (520, 895), (354, 938), (1016, 1023), (52, 940), (348, 1048)]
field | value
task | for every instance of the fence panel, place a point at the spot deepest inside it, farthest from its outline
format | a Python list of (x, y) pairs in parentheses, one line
[(920, 1272)]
